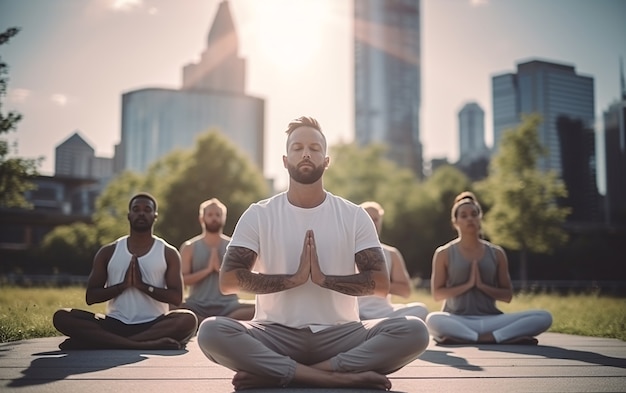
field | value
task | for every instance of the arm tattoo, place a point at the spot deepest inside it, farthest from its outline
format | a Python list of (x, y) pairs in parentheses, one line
[(368, 261), (241, 260)]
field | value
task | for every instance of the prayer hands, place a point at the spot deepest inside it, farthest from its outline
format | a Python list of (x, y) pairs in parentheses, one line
[(214, 263), (309, 263), (133, 277)]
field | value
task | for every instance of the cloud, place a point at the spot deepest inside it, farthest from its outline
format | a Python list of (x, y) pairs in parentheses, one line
[(18, 95), (478, 3), (59, 99), (126, 5)]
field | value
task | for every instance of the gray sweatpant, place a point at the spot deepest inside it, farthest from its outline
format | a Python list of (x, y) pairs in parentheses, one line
[(381, 345)]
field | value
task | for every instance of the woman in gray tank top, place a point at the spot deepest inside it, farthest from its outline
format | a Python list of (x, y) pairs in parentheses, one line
[(470, 275)]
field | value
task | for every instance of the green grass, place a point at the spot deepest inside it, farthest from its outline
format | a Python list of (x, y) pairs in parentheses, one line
[(27, 312)]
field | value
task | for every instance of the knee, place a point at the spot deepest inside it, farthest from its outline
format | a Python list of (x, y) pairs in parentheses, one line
[(546, 319), (60, 319), (209, 332)]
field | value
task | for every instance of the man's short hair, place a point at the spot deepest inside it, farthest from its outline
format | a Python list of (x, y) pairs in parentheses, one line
[(143, 195), (304, 121), (212, 201)]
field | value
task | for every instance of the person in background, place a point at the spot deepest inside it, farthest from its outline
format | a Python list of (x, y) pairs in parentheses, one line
[(307, 254), (372, 307), (201, 261), (138, 275), (470, 274)]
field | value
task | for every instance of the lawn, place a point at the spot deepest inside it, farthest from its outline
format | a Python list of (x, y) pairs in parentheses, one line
[(27, 312)]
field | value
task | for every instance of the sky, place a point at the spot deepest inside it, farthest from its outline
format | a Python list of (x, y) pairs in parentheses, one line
[(73, 59)]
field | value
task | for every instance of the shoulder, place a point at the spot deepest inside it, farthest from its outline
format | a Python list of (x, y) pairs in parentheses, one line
[(391, 249), (444, 248), (492, 246), (193, 240), (496, 249)]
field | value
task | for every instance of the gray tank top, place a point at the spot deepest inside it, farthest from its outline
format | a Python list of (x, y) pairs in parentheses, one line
[(206, 293), (474, 301)]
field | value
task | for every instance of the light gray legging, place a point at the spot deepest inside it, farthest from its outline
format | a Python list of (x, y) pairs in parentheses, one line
[(503, 326), (381, 345)]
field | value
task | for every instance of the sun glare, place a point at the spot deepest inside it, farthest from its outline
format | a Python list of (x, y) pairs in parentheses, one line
[(289, 33)]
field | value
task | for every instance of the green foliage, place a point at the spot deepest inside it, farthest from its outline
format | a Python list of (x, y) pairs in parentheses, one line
[(416, 215), (70, 248), (110, 216), (15, 172), (214, 169), (524, 214)]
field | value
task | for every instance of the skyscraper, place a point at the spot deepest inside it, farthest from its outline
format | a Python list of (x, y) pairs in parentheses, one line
[(615, 155), (156, 121), (565, 102), (73, 157), (471, 133), (387, 78), (549, 89)]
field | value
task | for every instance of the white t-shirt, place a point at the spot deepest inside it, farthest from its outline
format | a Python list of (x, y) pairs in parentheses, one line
[(275, 230)]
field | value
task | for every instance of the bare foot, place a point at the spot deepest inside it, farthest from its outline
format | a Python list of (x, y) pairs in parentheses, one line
[(366, 380), (523, 340), (244, 380), (444, 340), (161, 343)]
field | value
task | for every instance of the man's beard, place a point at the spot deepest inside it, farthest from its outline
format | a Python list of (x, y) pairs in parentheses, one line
[(305, 177), (142, 227), (213, 227)]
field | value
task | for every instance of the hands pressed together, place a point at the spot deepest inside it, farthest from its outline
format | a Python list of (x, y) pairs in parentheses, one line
[(309, 263), (133, 278), (214, 263)]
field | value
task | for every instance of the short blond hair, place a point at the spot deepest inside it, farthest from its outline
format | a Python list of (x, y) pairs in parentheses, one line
[(211, 202)]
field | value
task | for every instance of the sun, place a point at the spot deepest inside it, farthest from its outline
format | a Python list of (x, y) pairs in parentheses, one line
[(289, 33)]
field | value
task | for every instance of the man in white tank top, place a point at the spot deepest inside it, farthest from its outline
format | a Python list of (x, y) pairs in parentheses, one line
[(372, 307), (138, 276), (307, 254)]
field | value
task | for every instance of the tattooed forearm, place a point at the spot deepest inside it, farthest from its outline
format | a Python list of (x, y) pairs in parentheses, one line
[(369, 262), (261, 283), (240, 260), (356, 285)]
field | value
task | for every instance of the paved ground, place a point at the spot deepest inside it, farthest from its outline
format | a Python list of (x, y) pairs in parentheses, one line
[(560, 363)]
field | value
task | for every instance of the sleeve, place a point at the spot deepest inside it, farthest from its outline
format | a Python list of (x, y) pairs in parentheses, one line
[(246, 233), (366, 236)]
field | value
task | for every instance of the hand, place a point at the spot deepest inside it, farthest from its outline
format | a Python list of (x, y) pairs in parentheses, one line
[(317, 276), (137, 280), (214, 264), (478, 282), (304, 270), (128, 276), (474, 274)]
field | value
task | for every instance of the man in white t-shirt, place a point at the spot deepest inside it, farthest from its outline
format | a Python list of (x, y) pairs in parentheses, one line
[(307, 254)]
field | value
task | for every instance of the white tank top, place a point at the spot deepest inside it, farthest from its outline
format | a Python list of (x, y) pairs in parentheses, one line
[(133, 306)]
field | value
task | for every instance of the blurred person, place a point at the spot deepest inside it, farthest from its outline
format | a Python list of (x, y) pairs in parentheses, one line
[(312, 253), (201, 261), (138, 275), (372, 307), (470, 274)]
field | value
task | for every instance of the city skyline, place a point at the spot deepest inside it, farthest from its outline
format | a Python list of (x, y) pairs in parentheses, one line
[(68, 71)]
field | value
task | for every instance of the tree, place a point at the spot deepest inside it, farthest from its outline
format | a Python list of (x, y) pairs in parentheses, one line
[(70, 248), (15, 172), (214, 169), (524, 213), (365, 173)]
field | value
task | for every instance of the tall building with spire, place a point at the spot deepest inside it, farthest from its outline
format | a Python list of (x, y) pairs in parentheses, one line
[(387, 67), (155, 121)]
